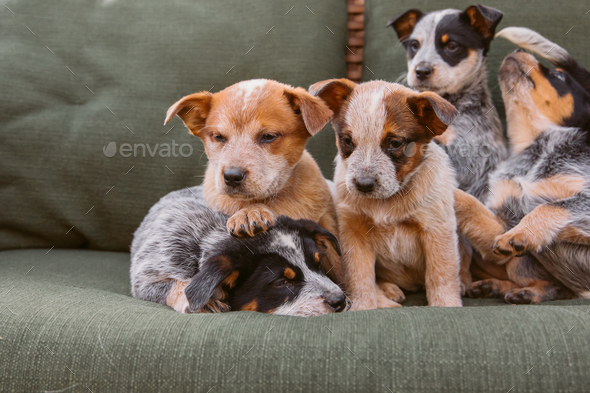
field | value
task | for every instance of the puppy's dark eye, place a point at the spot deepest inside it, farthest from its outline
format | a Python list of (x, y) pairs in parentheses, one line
[(268, 138), (559, 75), (280, 283), (347, 142), (452, 46), (414, 46), (395, 144), (219, 138)]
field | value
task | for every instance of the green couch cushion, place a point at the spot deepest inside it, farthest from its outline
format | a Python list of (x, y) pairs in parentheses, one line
[(78, 75), (385, 57), (67, 321)]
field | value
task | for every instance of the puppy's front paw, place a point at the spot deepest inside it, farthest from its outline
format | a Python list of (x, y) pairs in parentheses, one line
[(384, 302), (392, 292), (489, 288), (213, 306), (524, 296), (361, 303), (515, 242), (250, 221)]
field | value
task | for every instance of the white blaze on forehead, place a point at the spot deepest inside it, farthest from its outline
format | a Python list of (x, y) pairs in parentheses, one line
[(287, 240), (366, 111), (251, 88)]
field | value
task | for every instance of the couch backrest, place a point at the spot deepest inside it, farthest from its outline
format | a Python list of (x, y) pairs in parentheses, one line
[(83, 79)]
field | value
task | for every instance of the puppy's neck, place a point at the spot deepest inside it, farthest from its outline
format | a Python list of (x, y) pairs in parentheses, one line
[(474, 94)]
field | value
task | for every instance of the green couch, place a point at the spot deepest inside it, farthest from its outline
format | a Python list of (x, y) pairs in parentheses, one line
[(77, 76)]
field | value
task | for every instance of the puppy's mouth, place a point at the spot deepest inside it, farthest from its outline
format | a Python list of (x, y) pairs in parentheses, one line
[(516, 68)]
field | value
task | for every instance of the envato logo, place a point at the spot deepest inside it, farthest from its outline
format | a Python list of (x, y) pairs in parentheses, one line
[(462, 150), (145, 149)]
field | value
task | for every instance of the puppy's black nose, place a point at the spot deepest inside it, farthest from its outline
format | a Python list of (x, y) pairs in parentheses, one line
[(337, 302), (365, 184), (423, 72), (234, 176)]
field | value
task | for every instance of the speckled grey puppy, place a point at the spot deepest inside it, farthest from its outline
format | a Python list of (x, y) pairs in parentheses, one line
[(446, 53)]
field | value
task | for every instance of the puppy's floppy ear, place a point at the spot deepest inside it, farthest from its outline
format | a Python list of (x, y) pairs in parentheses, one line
[(404, 24), (203, 285), (320, 235), (432, 111), (193, 110), (314, 111), (483, 19), (333, 92)]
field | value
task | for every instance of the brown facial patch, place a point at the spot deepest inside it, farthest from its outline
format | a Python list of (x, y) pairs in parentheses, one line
[(555, 107), (316, 257), (412, 123), (289, 273), (444, 39), (251, 306)]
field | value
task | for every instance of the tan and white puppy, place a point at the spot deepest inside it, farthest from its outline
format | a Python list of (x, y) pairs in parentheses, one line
[(254, 133), (394, 193)]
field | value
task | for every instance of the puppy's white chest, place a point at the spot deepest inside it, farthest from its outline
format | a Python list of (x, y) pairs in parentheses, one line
[(400, 245)]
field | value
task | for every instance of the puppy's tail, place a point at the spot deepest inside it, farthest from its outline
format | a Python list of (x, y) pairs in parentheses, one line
[(559, 57)]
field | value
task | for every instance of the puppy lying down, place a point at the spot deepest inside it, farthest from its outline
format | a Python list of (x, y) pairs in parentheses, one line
[(183, 256)]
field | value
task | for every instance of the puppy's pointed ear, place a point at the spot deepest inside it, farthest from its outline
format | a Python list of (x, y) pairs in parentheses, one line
[(320, 235), (193, 110), (404, 24), (333, 92), (203, 286), (483, 19), (315, 112), (432, 111)]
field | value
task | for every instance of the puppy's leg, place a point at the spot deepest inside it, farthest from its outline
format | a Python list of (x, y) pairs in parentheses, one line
[(477, 223), (176, 297), (466, 254), (358, 263), (251, 220), (391, 291), (536, 230), (442, 268)]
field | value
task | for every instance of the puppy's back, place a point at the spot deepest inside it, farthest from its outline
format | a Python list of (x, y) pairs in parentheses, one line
[(169, 242)]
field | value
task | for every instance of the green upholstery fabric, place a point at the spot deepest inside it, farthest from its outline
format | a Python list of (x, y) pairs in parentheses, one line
[(77, 75), (385, 57), (67, 320)]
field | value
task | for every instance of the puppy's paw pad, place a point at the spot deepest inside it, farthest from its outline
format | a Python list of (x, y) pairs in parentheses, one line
[(522, 296), (484, 289), (512, 243)]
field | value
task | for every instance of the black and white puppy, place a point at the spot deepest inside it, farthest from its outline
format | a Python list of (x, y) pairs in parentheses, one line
[(183, 256), (446, 54)]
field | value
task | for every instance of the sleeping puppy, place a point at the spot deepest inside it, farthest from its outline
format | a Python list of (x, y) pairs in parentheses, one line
[(537, 220), (394, 193), (183, 256), (447, 54), (254, 133)]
